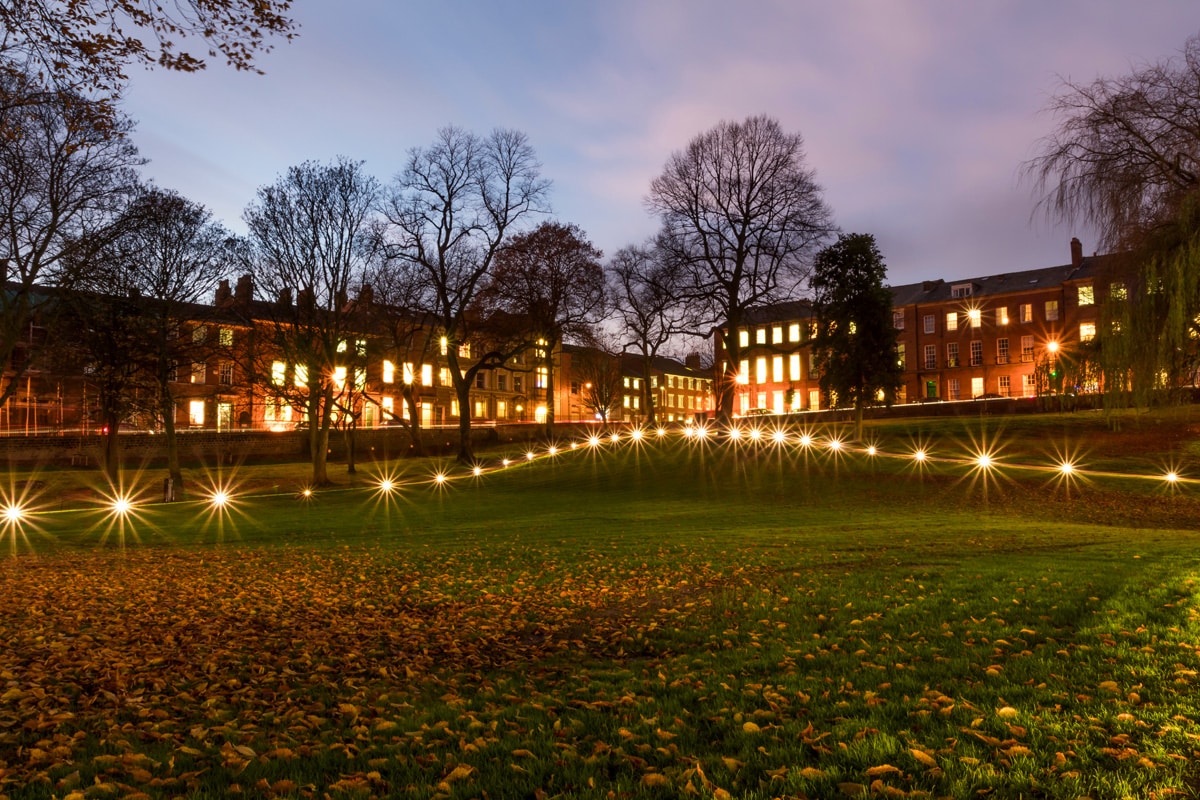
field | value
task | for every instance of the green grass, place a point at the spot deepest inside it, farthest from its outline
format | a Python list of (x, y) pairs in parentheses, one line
[(656, 620)]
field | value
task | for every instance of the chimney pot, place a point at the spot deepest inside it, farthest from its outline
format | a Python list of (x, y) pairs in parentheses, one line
[(1076, 252)]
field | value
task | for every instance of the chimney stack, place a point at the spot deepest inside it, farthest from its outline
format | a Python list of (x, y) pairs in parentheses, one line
[(1076, 252), (244, 291), (285, 297), (222, 293), (692, 361)]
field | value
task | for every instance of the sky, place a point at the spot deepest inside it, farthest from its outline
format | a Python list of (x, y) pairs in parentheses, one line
[(916, 114)]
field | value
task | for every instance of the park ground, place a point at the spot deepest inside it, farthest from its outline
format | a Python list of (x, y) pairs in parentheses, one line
[(672, 616)]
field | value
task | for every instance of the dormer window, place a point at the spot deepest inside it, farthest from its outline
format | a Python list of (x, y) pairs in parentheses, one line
[(960, 290)]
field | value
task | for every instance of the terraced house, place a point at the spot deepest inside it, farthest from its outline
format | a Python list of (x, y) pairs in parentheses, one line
[(997, 335)]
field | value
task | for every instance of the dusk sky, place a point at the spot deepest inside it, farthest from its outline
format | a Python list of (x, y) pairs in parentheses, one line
[(916, 115)]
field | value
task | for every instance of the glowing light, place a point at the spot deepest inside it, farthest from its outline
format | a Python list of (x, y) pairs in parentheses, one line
[(386, 486), (1171, 477), (306, 493), (616, 437), (218, 499), (439, 478), (553, 450), (636, 434), (574, 445), (593, 441), (690, 433), (505, 463), (530, 456), (735, 433), (805, 440), (477, 471), (702, 432), (984, 461), (919, 455), (13, 514), (755, 434), (1066, 468), (871, 450), (835, 444), (779, 436), (661, 432), (121, 506), (1052, 346)]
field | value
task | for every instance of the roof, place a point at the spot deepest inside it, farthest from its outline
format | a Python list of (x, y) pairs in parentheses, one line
[(1005, 283)]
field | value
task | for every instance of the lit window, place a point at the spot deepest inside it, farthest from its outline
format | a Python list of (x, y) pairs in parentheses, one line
[(278, 373), (952, 321), (542, 377), (743, 337), (900, 362), (794, 367), (427, 375), (407, 373), (1087, 295), (360, 347), (760, 336), (444, 376), (341, 347), (976, 317), (743, 375), (898, 319), (1087, 331), (1117, 291), (339, 378), (777, 369), (389, 407), (225, 373), (445, 344), (199, 371), (196, 412), (1026, 312), (225, 337), (760, 370), (1051, 310), (300, 375), (1002, 315), (464, 350), (637, 383), (1027, 348), (389, 371), (199, 334), (794, 332), (777, 335)]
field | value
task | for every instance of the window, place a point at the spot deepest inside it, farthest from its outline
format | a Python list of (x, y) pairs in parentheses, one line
[(1026, 312), (1117, 291), (199, 371), (760, 370), (1002, 351), (760, 336), (225, 373), (389, 371), (408, 373), (670, 381), (777, 369), (502, 384), (517, 383), (1087, 295), (976, 317), (199, 334), (542, 377), (1002, 315), (976, 387), (339, 378), (1028, 387), (976, 353), (1027, 348), (480, 380), (341, 347), (196, 412), (225, 337), (930, 324), (1087, 331), (794, 332), (952, 389), (743, 337), (444, 345), (360, 347), (743, 375), (1004, 387), (278, 373), (930, 356), (1051, 310), (300, 376), (952, 321), (794, 367), (960, 290), (898, 319), (900, 360), (464, 350), (777, 334), (444, 376), (952, 354)]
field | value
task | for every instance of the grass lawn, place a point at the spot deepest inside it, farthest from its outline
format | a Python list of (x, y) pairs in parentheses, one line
[(654, 619)]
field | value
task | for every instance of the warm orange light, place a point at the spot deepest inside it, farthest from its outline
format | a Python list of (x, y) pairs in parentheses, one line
[(13, 514), (779, 436), (919, 455), (477, 471), (593, 441), (661, 432), (616, 437), (1171, 477), (219, 499), (530, 455), (636, 434), (1052, 346), (553, 450)]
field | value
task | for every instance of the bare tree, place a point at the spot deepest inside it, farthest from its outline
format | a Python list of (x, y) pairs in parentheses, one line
[(1125, 158), (550, 276), (83, 48), (63, 184), (650, 305), (743, 215), (310, 234), (451, 210), (599, 372)]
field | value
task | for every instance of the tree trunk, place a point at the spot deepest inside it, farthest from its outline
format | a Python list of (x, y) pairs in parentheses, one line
[(858, 420), (112, 449), (414, 424), (647, 393), (466, 455), (350, 430), (318, 436), (174, 471), (549, 426)]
